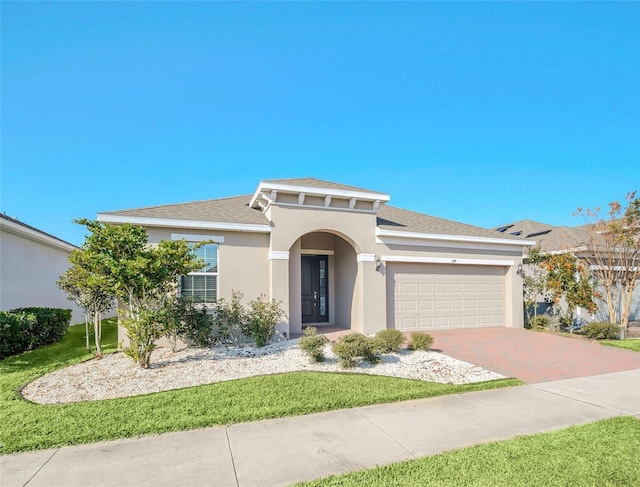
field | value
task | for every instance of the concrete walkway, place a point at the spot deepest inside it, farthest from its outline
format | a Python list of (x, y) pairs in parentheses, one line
[(288, 450)]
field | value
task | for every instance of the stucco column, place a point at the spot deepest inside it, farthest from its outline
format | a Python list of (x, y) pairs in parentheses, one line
[(514, 302), (279, 285), (295, 306), (372, 295)]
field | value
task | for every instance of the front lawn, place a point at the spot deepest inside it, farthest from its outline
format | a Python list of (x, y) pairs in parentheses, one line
[(599, 454), (29, 426), (629, 343)]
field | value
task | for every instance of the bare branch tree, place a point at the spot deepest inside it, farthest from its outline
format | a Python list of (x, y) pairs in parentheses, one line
[(613, 251)]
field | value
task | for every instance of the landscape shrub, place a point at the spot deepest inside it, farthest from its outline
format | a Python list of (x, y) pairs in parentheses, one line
[(52, 324), (188, 320), (313, 344), (263, 319), (420, 341), (601, 331), (46, 326), (389, 341), (230, 319), (143, 331), (13, 332), (354, 346), (540, 322)]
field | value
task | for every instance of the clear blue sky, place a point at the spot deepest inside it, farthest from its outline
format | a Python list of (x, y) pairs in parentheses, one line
[(484, 113)]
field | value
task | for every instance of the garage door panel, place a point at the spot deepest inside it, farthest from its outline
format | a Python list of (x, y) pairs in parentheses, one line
[(425, 288), (431, 296)]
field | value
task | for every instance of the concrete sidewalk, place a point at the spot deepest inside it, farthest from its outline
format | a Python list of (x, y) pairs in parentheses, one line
[(288, 450)]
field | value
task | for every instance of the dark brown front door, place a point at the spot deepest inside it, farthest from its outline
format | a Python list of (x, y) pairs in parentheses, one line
[(315, 288)]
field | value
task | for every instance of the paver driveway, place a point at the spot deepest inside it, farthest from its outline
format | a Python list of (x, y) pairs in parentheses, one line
[(531, 356)]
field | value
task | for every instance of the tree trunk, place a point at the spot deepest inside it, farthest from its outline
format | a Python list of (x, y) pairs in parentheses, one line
[(611, 306), (627, 294), (86, 330), (96, 333)]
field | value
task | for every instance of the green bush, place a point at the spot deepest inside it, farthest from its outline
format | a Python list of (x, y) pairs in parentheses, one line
[(389, 341), (601, 331), (231, 319), (32, 328), (539, 322), (188, 320), (313, 345), (354, 346), (143, 330), (14, 332), (263, 319), (420, 341)]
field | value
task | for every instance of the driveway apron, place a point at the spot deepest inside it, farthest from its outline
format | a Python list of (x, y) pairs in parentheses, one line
[(531, 356)]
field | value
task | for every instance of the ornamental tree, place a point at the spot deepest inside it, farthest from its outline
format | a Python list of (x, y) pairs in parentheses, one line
[(534, 281), (568, 278), (90, 291), (613, 248), (143, 276)]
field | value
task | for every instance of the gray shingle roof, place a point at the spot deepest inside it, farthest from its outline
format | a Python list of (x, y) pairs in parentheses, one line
[(392, 218), (237, 210), (549, 237), (228, 210)]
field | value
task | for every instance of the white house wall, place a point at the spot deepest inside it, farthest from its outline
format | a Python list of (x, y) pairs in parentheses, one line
[(29, 271)]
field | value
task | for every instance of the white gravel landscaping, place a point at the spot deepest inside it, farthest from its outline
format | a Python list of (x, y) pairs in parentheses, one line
[(117, 376)]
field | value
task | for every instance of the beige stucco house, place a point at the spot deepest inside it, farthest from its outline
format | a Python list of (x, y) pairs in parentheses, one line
[(31, 261), (340, 255)]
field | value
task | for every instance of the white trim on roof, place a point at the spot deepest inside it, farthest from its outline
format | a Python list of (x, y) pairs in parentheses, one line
[(35, 235), (446, 260), (316, 191), (176, 223), (388, 236)]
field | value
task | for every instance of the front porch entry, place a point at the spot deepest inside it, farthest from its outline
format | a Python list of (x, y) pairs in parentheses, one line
[(323, 270)]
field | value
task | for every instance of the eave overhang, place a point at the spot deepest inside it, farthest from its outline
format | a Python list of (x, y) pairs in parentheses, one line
[(432, 239), (178, 223)]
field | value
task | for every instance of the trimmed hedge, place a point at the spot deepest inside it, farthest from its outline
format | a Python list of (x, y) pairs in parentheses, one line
[(601, 331), (354, 346), (540, 322), (389, 340), (420, 341), (25, 329)]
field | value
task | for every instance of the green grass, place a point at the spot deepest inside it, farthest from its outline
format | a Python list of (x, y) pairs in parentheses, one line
[(28, 426), (629, 343), (599, 454)]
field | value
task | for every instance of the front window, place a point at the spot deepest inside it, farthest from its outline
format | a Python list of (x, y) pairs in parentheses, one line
[(202, 285)]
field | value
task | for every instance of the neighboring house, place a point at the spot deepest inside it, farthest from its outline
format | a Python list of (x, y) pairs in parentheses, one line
[(560, 239), (31, 261), (338, 255)]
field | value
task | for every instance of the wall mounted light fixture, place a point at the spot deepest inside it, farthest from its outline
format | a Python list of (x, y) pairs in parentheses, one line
[(378, 263), (520, 271)]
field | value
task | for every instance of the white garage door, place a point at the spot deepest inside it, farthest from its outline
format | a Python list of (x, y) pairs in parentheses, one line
[(439, 296)]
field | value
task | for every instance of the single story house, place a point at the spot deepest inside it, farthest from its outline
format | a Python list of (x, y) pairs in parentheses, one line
[(31, 261), (564, 239), (339, 255)]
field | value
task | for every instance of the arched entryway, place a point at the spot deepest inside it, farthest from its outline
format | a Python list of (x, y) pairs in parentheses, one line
[(322, 281)]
